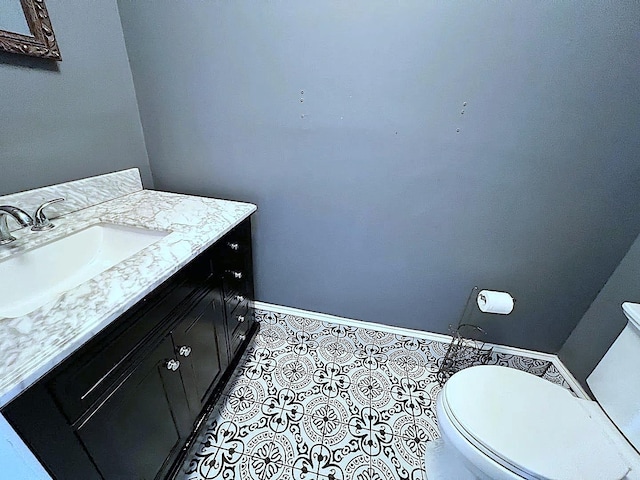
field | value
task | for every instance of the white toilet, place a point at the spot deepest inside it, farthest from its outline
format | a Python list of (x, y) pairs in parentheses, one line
[(501, 423)]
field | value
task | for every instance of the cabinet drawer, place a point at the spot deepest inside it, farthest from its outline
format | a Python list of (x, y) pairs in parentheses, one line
[(100, 364), (234, 282), (236, 244), (236, 300), (240, 318), (233, 252), (239, 324), (237, 339)]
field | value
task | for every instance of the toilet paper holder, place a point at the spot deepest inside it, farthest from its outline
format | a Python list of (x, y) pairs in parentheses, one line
[(463, 351), (466, 348)]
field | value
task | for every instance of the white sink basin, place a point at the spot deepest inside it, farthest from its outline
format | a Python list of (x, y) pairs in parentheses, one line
[(33, 278)]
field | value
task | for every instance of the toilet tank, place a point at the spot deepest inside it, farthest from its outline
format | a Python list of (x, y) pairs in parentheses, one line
[(615, 382)]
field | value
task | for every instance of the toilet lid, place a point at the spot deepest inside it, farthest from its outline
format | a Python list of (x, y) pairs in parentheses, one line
[(531, 425)]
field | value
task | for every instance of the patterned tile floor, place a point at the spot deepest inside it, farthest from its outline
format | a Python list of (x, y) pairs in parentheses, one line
[(312, 400)]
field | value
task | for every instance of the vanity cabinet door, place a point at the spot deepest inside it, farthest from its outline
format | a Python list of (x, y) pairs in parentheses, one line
[(197, 339), (139, 428)]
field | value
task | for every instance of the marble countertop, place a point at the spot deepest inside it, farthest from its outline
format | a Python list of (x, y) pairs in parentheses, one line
[(34, 344)]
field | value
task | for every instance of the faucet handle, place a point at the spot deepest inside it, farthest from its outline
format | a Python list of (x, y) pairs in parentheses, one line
[(41, 222)]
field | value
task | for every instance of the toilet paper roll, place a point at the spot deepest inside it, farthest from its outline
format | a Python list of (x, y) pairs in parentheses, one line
[(490, 301)]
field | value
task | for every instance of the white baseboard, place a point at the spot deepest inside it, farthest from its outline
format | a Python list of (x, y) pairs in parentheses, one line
[(571, 380), (434, 337), (409, 332)]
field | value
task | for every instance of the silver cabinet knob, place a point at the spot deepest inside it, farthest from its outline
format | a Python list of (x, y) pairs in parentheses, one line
[(172, 365), (240, 298), (240, 318), (242, 337), (184, 351), (234, 246), (237, 275)]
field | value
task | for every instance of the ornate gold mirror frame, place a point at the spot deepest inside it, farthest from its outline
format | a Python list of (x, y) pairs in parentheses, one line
[(42, 42)]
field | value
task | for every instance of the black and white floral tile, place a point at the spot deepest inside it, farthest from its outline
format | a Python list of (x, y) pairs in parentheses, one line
[(313, 400)]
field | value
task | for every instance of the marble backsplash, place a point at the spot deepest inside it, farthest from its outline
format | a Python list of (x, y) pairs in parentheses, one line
[(78, 194)]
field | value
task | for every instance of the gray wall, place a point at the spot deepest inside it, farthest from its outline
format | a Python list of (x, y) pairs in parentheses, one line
[(371, 204), (66, 120), (604, 320)]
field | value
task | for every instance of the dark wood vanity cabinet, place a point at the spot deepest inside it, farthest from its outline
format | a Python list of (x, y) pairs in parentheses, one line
[(125, 404)]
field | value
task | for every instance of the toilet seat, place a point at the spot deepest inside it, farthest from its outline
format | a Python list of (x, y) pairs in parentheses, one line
[(491, 406), (476, 443)]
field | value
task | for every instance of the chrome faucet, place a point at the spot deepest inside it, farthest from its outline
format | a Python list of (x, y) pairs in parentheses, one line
[(40, 220), (20, 216), (38, 223)]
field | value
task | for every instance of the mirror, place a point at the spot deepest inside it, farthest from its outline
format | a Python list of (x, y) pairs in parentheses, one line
[(25, 28)]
